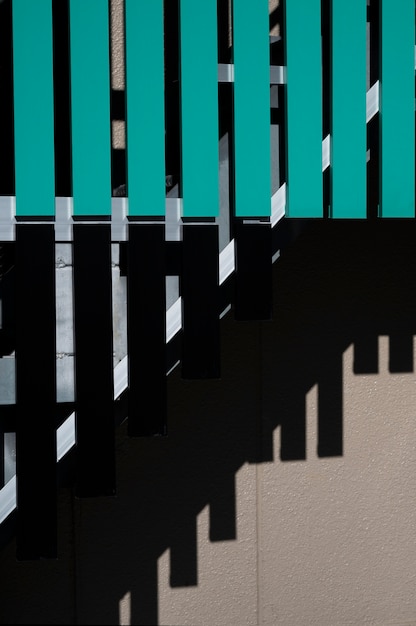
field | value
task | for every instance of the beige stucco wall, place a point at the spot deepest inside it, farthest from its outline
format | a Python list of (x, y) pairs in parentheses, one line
[(210, 525), (324, 541)]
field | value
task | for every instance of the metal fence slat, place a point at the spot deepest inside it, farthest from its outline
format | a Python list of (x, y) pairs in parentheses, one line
[(33, 107), (397, 109), (199, 108), (36, 392), (303, 52), (146, 330), (90, 107), (145, 126), (201, 355), (94, 363), (251, 56), (348, 109)]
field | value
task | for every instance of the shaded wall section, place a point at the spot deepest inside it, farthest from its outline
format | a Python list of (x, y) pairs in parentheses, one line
[(283, 493)]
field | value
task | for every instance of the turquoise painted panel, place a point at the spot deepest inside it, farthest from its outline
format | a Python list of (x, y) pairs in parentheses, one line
[(348, 108), (90, 106), (33, 107), (251, 56), (304, 194), (199, 108), (397, 109), (145, 130)]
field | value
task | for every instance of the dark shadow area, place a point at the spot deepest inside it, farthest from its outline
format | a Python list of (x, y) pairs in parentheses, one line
[(6, 103), (224, 31), (347, 293), (62, 95), (366, 352), (331, 285), (401, 356), (172, 92), (7, 291)]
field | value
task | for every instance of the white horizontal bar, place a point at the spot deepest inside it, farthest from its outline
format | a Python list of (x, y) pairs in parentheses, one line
[(226, 262), (8, 498), (226, 74)]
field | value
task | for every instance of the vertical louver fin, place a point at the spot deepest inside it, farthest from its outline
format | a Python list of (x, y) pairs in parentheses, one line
[(303, 53), (201, 326), (253, 279), (251, 56), (397, 108), (146, 329), (90, 107), (94, 385), (36, 392), (33, 108), (348, 109), (199, 108), (145, 107)]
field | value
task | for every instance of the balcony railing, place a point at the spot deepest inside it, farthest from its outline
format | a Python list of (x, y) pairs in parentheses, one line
[(233, 139)]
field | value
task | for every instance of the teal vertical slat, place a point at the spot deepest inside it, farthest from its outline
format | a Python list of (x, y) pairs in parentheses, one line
[(348, 109), (199, 108), (33, 108), (251, 56), (145, 107), (397, 109), (303, 52), (90, 107)]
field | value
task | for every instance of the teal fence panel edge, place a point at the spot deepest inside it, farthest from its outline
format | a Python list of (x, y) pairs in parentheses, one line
[(33, 107), (90, 107), (303, 51), (397, 109), (145, 121), (199, 108), (348, 109), (251, 56)]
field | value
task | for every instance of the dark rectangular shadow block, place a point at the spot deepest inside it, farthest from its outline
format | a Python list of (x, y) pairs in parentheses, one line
[(94, 384), (293, 430), (2, 460), (253, 276), (146, 330), (401, 356), (200, 293), (223, 511), (366, 353), (330, 408), (183, 554), (36, 532)]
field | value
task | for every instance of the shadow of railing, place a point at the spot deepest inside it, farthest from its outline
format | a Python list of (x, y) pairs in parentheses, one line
[(339, 283)]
